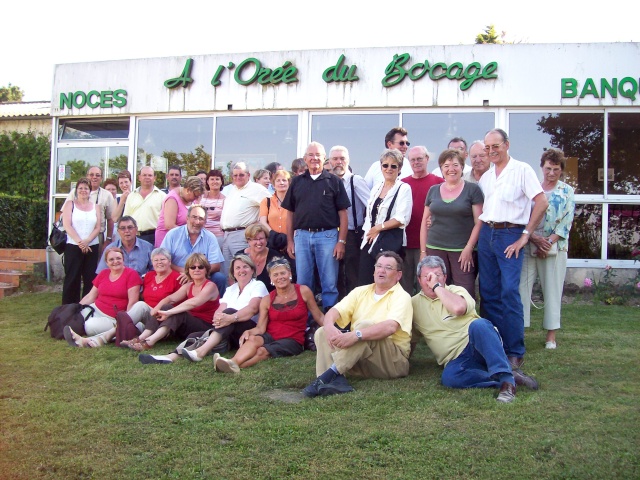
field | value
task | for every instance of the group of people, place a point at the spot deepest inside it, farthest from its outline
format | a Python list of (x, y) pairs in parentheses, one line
[(328, 231)]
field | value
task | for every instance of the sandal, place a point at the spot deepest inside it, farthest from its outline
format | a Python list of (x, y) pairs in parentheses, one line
[(141, 346), (72, 338), (128, 343), (96, 342)]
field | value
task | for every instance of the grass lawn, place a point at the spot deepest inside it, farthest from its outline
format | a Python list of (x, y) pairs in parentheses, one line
[(82, 413)]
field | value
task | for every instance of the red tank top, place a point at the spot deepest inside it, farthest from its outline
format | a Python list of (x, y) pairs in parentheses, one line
[(290, 321), (205, 311)]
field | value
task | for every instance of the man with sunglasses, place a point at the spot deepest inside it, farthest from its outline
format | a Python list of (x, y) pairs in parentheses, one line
[(137, 252), (510, 190), (367, 334), (395, 138)]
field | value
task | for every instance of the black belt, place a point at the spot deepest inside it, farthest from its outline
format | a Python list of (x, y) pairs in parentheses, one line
[(233, 229), (500, 225), (147, 232), (316, 230)]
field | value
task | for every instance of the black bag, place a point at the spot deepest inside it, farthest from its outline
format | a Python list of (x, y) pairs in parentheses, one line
[(58, 237), (277, 241), (70, 314), (389, 240)]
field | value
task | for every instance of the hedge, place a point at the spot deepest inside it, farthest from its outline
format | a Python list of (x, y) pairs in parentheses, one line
[(24, 222)]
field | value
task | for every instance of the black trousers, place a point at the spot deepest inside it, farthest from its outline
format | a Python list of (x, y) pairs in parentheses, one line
[(79, 269), (350, 264)]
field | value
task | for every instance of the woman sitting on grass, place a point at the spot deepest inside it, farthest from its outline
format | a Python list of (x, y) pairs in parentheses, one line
[(282, 323)]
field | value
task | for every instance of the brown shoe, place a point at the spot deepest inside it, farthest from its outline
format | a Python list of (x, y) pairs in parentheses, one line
[(507, 393), (521, 377)]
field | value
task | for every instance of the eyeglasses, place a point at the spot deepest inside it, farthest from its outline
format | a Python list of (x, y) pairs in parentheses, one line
[(98, 175), (402, 143), (126, 227), (388, 268), (160, 260), (197, 267), (417, 159), (392, 166), (488, 148), (258, 239), (438, 275), (239, 175)]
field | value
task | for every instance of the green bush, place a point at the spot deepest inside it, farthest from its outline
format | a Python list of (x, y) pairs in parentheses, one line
[(24, 223), (24, 164)]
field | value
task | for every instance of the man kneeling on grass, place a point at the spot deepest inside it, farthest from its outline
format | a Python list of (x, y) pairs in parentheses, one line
[(469, 346), (379, 341)]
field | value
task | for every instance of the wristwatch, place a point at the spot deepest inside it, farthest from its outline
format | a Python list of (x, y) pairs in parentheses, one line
[(344, 242), (436, 285), (526, 232), (359, 335)]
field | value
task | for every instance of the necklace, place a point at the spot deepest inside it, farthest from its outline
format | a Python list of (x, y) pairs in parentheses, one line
[(284, 296)]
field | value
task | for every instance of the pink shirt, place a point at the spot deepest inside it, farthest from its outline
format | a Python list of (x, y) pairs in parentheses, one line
[(154, 292), (181, 219), (115, 295)]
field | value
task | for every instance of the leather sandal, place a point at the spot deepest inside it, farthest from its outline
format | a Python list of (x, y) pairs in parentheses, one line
[(128, 343), (141, 346)]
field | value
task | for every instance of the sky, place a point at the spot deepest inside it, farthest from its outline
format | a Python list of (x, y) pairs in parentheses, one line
[(41, 34)]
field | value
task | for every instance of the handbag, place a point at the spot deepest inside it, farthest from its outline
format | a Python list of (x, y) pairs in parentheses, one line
[(58, 237), (553, 251), (389, 240), (69, 314)]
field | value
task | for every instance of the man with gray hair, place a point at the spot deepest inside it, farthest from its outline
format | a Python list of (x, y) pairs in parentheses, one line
[(420, 182), (479, 162), (358, 194), (137, 252), (469, 347), (460, 144), (241, 209)]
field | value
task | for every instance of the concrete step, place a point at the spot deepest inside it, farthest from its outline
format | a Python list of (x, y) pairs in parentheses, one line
[(6, 289), (23, 266), (36, 255), (11, 277)]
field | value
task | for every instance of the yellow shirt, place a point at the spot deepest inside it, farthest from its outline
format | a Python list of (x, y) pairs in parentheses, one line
[(145, 210), (395, 304), (445, 334)]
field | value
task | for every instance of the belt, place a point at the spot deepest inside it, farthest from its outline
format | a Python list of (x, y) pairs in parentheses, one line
[(501, 225), (147, 232), (315, 230), (233, 229)]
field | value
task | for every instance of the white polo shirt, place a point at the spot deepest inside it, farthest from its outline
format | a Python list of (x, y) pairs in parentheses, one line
[(242, 205)]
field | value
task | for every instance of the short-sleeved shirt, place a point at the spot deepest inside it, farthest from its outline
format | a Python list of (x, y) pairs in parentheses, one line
[(361, 191), (452, 221), (139, 258), (242, 205), (145, 210), (419, 189), (316, 203), (153, 292), (507, 198), (178, 243), (446, 335), (115, 294), (395, 304), (237, 300)]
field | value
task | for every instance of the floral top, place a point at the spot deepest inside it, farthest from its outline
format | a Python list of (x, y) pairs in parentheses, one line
[(559, 216)]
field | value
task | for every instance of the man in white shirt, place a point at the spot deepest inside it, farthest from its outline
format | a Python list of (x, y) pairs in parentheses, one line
[(509, 190), (395, 138)]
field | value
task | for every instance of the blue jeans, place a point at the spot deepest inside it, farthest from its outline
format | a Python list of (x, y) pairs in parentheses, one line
[(499, 286), (482, 363), (317, 248), (221, 282)]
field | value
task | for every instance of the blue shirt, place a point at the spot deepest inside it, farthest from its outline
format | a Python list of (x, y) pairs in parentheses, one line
[(139, 259), (178, 244)]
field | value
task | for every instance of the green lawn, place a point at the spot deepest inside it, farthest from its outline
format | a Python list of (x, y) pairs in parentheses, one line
[(81, 413)]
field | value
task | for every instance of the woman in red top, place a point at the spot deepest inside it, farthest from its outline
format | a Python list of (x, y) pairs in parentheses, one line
[(199, 301), (282, 323)]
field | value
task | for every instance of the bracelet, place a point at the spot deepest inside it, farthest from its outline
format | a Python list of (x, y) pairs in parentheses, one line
[(344, 242), (382, 225), (423, 251)]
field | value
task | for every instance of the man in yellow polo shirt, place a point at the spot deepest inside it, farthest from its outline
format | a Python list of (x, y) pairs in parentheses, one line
[(468, 346), (379, 340)]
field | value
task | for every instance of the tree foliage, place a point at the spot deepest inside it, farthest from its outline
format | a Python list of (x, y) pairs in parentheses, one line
[(11, 93), (489, 36), (24, 164)]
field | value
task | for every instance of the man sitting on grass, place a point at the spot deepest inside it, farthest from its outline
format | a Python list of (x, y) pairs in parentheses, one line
[(469, 346), (379, 341)]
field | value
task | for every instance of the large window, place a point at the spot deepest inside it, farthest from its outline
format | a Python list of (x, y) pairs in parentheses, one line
[(585, 239), (256, 140), (624, 153), (435, 130), (186, 142), (362, 134), (73, 163)]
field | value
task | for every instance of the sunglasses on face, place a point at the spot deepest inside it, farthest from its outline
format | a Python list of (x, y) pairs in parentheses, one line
[(197, 267), (393, 166)]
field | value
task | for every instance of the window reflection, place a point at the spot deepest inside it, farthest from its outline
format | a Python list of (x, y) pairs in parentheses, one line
[(624, 153), (76, 162), (257, 141), (624, 231), (578, 135), (92, 130), (186, 142), (362, 134), (585, 239), (435, 130)]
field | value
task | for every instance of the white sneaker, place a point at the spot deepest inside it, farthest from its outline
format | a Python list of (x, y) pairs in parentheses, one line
[(191, 355), (550, 345), (226, 365)]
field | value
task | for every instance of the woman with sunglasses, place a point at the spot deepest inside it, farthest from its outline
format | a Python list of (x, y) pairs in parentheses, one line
[(389, 208), (184, 312), (281, 324), (175, 206)]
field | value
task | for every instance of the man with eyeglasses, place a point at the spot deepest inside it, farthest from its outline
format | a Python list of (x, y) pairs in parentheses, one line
[(317, 225), (396, 138), (510, 190), (468, 346), (420, 182), (137, 252), (144, 204), (182, 241), (377, 343), (479, 163), (459, 144), (241, 209), (358, 194), (106, 201)]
